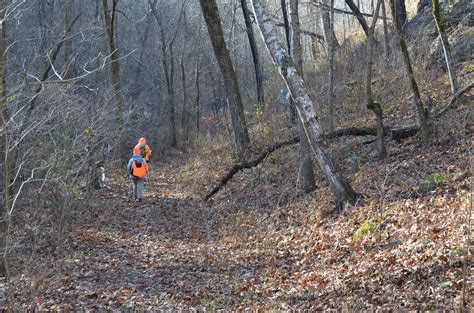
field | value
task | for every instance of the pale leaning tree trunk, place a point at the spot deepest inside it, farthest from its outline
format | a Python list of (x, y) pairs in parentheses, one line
[(286, 25), (371, 104), (446, 47), (306, 164), (236, 108), (421, 110), (340, 188)]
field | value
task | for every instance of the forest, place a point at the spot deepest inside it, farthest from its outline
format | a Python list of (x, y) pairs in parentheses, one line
[(231, 155)]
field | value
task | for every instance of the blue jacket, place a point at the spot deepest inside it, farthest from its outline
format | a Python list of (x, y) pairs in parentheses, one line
[(137, 158)]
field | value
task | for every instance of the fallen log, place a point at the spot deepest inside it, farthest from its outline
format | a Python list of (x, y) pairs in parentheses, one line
[(454, 99), (249, 164), (398, 134), (351, 131)]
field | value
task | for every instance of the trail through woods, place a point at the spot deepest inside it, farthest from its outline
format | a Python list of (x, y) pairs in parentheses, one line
[(154, 254), (171, 252)]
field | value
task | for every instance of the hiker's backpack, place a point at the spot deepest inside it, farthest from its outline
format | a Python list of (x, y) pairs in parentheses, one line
[(138, 169), (142, 150)]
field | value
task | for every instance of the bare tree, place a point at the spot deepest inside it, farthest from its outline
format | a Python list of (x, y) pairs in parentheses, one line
[(69, 58), (110, 19), (446, 47), (401, 10), (306, 164), (167, 49), (421, 110), (341, 190), (211, 16), (359, 16), (330, 83), (386, 39), (254, 49), (185, 110), (325, 23), (371, 104)]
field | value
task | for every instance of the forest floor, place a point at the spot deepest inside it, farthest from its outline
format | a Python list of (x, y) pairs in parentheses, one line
[(171, 252), (262, 244)]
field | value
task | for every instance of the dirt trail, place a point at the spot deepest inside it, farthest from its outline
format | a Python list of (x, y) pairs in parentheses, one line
[(158, 254)]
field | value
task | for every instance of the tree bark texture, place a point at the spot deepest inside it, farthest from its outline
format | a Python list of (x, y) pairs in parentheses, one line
[(371, 104), (341, 190), (306, 164), (239, 126), (255, 57), (286, 25), (446, 47), (422, 112)]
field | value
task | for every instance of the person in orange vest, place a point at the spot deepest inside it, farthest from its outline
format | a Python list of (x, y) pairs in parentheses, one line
[(138, 168), (145, 150)]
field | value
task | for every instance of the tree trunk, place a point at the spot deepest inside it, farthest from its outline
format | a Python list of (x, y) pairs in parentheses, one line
[(422, 112), (325, 23), (172, 108), (386, 39), (69, 59), (401, 12), (341, 190), (330, 89), (359, 16), (144, 43), (197, 102), (446, 46), (239, 126), (110, 27), (167, 47), (306, 164), (371, 104), (256, 61), (286, 25), (184, 112)]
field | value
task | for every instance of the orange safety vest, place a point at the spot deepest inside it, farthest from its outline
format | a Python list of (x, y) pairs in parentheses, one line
[(147, 151), (139, 172)]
